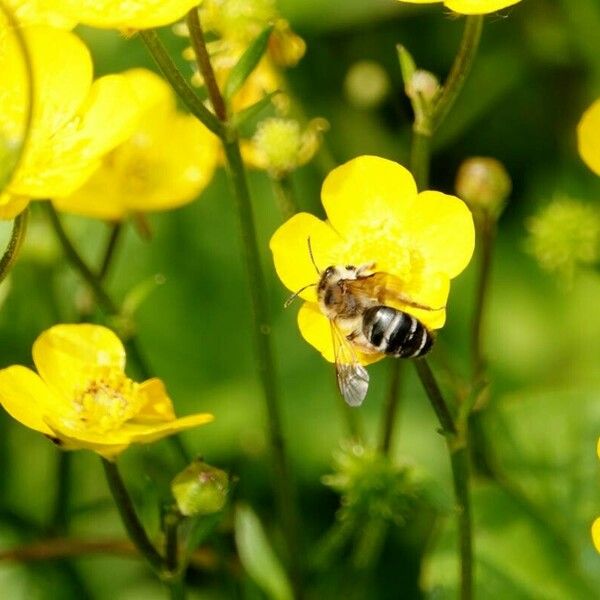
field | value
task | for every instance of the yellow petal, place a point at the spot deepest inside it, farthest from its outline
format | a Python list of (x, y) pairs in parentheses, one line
[(146, 433), (478, 7), (440, 227), (367, 195), (11, 205), (26, 397), (315, 328), (38, 12), (126, 14), (588, 136), (157, 405), (596, 533), (66, 356), (291, 254)]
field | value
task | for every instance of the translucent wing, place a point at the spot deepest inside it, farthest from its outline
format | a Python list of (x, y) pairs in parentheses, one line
[(352, 377), (384, 288)]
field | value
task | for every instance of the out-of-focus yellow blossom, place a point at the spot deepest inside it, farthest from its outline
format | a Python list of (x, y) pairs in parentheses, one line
[(596, 523), (564, 236), (376, 215), (106, 14), (367, 84), (469, 7), (168, 161), (81, 398), (280, 146), (588, 137), (75, 120)]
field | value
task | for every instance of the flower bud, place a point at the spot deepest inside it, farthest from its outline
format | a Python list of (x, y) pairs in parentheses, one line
[(200, 489), (367, 84), (423, 84), (286, 48), (565, 235), (484, 184)]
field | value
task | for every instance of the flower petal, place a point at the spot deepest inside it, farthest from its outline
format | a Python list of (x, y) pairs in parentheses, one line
[(142, 433), (157, 405), (367, 195), (315, 328), (478, 7), (66, 356), (11, 205), (441, 228), (588, 137), (291, 254), (26, 397), (596, 533)]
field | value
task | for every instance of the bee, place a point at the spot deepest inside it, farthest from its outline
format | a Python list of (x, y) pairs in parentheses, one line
[(356, 300)]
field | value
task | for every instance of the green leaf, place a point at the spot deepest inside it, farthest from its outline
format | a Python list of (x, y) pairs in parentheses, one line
[(258, 557), (407, 64), (247, 63)]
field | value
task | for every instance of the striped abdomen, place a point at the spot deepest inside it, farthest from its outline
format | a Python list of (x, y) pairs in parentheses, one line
[(395, 332)]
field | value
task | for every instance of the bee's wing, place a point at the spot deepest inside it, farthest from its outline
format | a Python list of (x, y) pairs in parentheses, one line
[(352, 377), (385, 288)]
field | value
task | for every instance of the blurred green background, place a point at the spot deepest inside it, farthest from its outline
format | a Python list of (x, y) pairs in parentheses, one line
[(537, 71)]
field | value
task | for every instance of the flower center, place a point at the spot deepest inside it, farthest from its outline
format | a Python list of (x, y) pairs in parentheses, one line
[(107, 402)]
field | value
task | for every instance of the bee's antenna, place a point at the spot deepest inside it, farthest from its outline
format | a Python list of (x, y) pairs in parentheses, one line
[(296, 294), (312, 256)]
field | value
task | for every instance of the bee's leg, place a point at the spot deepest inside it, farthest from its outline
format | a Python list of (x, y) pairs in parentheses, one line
[(358, 339)]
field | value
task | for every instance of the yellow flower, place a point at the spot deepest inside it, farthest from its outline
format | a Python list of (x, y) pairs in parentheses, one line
[(39, 12), (588, 137), (82, 397), (75, 120), (168, 161), (469, 7), (376, 215), (596, 533)]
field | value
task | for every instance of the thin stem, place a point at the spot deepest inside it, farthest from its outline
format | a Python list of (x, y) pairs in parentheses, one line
[(258, 293), (284, 194), (77, 261), (132, 524), (460, 69), (390, 409), (456, 442), (487, 233), (420, 158), (204, 64), (116, 229), (179, 83), (17, 236), (60, 515)]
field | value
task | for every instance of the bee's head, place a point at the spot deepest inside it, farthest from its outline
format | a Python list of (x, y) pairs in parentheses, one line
[(334, 274)]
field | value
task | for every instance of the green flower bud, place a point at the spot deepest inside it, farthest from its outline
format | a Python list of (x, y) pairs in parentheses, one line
[(484, 184), (200, 489), (367, 84), (565, 235)]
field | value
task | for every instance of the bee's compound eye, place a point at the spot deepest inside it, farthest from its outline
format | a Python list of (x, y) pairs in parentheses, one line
[(350, 267), (329, 271)]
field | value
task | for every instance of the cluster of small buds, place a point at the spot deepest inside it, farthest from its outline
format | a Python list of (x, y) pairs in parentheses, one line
[(200, 489), (280, 145), (484, 184), (565, 236), (371, 485)]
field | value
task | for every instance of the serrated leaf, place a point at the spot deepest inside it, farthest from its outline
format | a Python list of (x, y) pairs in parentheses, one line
[(247, 63), (257, 556)]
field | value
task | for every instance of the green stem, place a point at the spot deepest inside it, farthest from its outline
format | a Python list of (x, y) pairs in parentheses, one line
[(178, 82), (460, 69), (116, 229), (60, 515), (420, 158), (456, 441), (258, 293), (135, 529), (390, 409), (284, 194), (17, 236), (77, 261)]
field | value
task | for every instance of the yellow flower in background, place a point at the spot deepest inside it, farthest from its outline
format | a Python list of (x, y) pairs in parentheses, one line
[(374, 214), (596, 533), (81, 398), (588, 137), (469, 7), (75, 120), (39, 12), (167, 161)]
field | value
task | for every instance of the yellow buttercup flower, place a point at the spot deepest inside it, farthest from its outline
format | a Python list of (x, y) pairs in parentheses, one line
[(375, 215), (75, 120), (39, 12), (81, 398), (588, 137), (469, 7), (167, 161)]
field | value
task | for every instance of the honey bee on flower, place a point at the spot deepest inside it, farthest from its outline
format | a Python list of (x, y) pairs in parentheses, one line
[(385, 256)]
